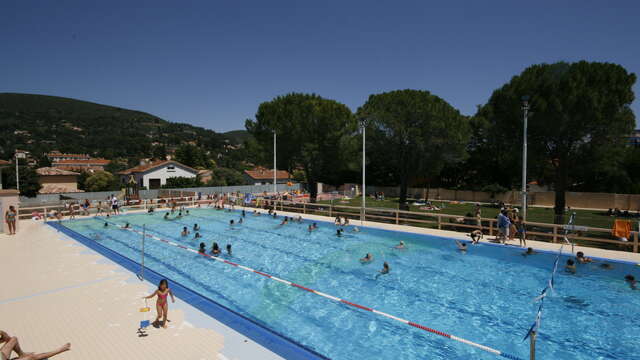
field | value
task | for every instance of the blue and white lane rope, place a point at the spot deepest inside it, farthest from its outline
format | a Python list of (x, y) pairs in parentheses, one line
[(330, 297)]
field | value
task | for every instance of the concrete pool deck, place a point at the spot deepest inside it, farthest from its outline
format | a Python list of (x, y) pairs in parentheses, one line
[(55, 290)]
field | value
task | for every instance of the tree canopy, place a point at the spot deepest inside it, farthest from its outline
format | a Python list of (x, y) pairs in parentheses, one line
[(101, 181), (313, 133), (581, 118), (412, 135)]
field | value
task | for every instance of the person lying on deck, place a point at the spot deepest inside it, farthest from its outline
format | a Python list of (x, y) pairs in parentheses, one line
[(11, 345)]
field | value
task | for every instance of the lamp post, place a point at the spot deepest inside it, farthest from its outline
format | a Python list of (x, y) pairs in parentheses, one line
[(363, 125), (275, 188), (525, 108)]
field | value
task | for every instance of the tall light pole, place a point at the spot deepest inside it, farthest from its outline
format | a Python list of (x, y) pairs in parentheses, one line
[(525, 108), (363, 124), (275, 187)]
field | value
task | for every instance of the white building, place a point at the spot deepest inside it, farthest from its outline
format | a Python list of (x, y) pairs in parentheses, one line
[(155, 174)]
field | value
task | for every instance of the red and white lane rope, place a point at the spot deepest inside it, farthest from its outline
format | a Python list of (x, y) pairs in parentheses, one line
[(330, 297)]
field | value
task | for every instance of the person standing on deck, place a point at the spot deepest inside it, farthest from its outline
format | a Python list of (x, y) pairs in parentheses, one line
[(10, 217)]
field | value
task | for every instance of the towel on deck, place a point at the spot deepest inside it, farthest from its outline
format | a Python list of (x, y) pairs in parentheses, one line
[(622, 229)]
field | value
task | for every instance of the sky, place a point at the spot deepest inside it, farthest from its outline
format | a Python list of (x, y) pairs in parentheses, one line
[(211, 63)]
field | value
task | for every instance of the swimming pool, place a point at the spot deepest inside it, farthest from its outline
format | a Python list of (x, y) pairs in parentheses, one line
[(484, 296)]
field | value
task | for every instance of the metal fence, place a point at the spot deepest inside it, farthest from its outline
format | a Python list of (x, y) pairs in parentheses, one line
[(55, 199)]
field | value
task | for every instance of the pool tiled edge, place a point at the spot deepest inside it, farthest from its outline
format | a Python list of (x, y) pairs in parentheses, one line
[(279, 344)]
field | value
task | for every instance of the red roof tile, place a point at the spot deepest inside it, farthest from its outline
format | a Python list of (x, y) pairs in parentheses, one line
[(83, 161), (261, 173), (49, 171)]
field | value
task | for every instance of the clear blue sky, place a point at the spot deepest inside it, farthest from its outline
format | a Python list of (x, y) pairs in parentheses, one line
[(211, 63)]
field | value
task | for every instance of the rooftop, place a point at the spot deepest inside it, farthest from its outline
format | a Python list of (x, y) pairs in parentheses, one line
[(265, 174), (153, 165), (50, 171), (97, 161)]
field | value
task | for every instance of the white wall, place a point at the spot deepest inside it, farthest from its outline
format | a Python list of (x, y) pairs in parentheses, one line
[(163, 174)]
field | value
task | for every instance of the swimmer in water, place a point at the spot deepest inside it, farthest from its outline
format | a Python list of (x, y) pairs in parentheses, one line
[(310, 228), (285, 221), (215, 249), (197, 235), (476, 236), (529, 252), (299, 219), (582, 259), (231, 222), (150, 210), (339, 232), (570, 267), (400, 246), (275, 215), (244, 213), (385, 269), (240, 221), (187, 212), (631, 280), (166, 216), (202, 249), (184, 232), (606, 266), (355, 229), (179, 214), (196, 227), (229, 249), (315, 226), (367, 258), (105, 224), (461, 246), (126, 226)]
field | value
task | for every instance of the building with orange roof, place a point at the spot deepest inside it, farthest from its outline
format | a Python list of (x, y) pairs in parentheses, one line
[(55, 180), (262, 176)]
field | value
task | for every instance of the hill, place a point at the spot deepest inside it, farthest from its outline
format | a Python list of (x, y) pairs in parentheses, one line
[(41, 123), (237, 136)]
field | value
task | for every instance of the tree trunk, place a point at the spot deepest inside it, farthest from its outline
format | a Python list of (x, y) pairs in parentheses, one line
[(560, 188), (403, 194)]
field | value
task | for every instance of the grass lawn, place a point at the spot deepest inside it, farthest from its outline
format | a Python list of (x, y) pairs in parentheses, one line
[(591, 218)]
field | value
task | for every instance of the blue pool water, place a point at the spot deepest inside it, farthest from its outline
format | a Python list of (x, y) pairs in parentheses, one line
[(484, 296)]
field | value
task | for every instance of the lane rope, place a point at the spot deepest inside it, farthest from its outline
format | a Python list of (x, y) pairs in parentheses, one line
[(327, 296)]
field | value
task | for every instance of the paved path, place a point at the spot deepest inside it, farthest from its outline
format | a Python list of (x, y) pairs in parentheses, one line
[(54, 290)]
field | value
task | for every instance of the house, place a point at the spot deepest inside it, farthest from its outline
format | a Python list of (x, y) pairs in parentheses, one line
[(55, 156), (152, 175), (55, 181), (263, 176), (90, 165)]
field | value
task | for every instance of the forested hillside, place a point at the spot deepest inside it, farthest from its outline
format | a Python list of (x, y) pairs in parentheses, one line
[(40, 123)]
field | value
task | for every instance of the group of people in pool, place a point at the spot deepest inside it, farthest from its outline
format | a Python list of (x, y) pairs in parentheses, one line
[(215, 249)]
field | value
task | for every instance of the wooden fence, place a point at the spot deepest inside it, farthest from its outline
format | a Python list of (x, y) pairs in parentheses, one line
[(582, 235)]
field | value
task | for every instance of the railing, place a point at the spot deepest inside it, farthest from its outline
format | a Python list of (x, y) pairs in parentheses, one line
[(583, 235)]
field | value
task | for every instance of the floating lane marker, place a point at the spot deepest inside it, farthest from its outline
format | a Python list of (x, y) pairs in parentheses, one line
[(330, 297)]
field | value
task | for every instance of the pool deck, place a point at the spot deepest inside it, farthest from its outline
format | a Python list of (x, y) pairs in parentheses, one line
[(56, 290)]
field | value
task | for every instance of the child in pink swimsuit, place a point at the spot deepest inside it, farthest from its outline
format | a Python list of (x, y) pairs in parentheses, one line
[(162, 306)]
